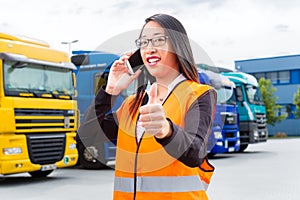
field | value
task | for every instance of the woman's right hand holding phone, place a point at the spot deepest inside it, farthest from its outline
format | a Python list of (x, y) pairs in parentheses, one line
[(119, 78)]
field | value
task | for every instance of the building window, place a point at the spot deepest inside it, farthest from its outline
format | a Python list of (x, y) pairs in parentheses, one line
[(273, 77), (284, 76), (295, 76), (259, 76)]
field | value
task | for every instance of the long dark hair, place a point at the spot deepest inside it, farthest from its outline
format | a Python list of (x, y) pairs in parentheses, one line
[(182, 48)]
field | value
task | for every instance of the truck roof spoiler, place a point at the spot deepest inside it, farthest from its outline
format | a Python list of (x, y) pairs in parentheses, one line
[(24, 59)]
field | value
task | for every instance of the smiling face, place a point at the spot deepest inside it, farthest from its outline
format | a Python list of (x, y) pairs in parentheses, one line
[(160, 58)]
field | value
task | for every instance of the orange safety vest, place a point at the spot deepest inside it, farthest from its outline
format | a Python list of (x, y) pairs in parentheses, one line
[(145, 170)]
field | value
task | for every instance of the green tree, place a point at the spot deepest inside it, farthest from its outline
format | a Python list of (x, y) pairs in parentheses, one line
[(297, 103), (267, 90)]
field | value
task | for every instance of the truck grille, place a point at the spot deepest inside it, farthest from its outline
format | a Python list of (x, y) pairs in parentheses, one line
[(261, 120), (230, 134), (46, 149), (44, 120), (229, 118)]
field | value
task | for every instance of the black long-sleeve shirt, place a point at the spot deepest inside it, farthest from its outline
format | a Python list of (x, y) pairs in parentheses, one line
[(188, 144)]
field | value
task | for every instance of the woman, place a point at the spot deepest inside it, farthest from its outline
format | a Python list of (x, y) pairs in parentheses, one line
[(161, 134)]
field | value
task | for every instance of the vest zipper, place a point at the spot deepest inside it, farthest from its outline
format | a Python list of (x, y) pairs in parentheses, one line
[(138, 143), (135, 169)]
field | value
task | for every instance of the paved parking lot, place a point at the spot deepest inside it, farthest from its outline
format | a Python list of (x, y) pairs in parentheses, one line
[(266, 171)]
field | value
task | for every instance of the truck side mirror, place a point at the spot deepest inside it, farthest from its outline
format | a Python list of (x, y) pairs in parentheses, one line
[(74, 79), (74, 84)]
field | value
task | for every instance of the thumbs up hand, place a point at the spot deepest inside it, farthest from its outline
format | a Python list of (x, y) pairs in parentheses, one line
[(152, 116)]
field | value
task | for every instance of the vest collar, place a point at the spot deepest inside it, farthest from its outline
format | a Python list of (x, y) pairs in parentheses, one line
[(180, 78)]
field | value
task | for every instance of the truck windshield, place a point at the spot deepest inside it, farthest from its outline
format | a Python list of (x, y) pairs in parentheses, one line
[(226, 95), (37, 79), (253, 94)]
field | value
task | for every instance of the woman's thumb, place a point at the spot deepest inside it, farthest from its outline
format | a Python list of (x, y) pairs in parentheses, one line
[(153, 93)]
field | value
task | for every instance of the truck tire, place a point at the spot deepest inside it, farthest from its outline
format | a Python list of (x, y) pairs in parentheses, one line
[(211, 155), (40, 174), (86, 158), (243, 147)]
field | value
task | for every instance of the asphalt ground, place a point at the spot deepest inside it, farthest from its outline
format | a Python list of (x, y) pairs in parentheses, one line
[(265, 171)]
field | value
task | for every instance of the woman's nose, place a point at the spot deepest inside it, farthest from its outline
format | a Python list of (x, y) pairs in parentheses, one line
[(150, 48)]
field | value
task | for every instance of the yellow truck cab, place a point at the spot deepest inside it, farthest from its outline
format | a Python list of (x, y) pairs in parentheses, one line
[(38, 109)]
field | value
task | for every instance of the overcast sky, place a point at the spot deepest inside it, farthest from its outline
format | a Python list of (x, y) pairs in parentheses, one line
[(226, 30)]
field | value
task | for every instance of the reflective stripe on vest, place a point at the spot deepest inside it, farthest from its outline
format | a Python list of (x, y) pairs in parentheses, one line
[(159, 184)]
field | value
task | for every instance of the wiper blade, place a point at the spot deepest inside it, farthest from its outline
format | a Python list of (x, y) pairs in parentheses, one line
[(43, 93), (22, 90), (19, 65)]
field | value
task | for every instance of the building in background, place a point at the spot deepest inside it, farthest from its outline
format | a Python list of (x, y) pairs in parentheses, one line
[(284, 73)]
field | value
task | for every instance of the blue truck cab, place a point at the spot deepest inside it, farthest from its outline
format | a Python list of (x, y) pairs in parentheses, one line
[(94, 149), (251, 109), (225, 131)]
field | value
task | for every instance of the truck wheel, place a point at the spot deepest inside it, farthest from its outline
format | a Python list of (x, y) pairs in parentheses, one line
[(243, 147), (211, 155), (88, 157), (40, 174)]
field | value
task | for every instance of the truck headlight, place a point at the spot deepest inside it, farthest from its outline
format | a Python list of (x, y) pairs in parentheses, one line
[(13, 150), (219, 144), (218, 135), (256, 135)]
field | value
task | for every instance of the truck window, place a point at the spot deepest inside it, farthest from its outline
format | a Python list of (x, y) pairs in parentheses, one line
[(34, 78), (100, 79), (226, 95), (239, 94), (254, 95)]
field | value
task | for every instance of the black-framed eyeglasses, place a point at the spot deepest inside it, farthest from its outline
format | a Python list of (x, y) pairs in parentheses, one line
[(156, 41)]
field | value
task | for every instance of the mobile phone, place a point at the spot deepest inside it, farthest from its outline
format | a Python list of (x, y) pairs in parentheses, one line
[(134, 62)]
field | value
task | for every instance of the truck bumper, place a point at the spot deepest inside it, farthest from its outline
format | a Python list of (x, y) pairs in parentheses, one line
[(21, 166), (19, 162), (250, 133), (227, 145)]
